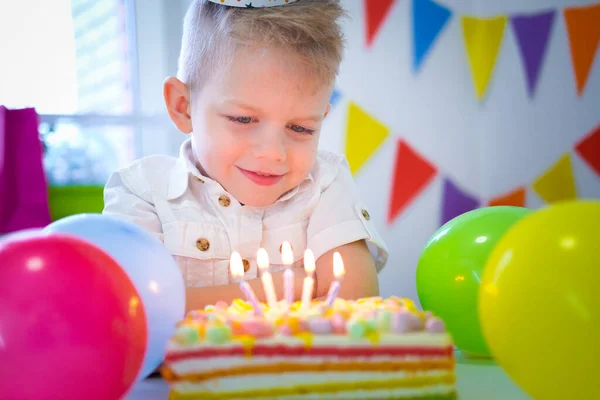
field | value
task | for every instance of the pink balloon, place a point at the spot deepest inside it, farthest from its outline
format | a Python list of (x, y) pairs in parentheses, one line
[(72, 325)]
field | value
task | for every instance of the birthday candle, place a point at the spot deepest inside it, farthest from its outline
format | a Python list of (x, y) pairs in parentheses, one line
[(262, 259), (237, 271), (287, 256), (309, 280), (338, 272)]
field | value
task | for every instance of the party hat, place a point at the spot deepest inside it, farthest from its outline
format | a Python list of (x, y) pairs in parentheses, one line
[(253, 3)]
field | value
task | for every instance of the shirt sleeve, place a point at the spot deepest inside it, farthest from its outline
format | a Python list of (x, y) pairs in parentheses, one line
[(340, 217), (126, 199)]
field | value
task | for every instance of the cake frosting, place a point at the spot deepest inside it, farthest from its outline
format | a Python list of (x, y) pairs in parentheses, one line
[(371, 348)]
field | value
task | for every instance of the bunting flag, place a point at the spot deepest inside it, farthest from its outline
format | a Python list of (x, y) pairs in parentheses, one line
[(532, 33), (583, 27), (483, 37), (364, 135), (375, 12), (455, 202), (557, 183), (515, 198), (589, 149), (335, 97), (412, 173), (429, 18)]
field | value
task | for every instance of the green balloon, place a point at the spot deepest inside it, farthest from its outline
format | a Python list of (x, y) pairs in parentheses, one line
[(450, 269)]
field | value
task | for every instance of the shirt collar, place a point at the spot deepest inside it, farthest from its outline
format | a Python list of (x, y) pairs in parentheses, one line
[(185, 167)]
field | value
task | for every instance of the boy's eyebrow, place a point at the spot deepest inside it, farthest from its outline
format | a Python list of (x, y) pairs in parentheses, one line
[(249, 107)]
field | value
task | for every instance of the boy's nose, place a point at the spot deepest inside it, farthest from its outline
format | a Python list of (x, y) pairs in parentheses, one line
[(270, 146)]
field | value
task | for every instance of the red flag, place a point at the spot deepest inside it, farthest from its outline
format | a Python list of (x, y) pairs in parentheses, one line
[(589, 149), (375, 13), (411, 174)]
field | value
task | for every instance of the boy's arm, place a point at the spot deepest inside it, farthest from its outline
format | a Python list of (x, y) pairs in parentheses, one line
[(340, 222), (360, 279), (199, 297)]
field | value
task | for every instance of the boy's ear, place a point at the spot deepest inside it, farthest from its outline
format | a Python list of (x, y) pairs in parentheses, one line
[(327, 110), (177, 100)]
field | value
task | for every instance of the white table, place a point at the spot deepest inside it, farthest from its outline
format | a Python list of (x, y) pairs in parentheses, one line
[(476, 380)]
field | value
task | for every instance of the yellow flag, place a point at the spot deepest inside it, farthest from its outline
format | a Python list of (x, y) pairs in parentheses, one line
[(364, 135), (483, 37), (558, 183)]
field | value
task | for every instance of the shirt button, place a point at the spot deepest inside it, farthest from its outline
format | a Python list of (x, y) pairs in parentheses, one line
[(225, 201), (365, 214), (202, 244), (246, 265)]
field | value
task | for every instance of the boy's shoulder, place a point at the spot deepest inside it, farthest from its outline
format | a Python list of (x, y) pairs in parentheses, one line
[(330, 167), (149, 173)]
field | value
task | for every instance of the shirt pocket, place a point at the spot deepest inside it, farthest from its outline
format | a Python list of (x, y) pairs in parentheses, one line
[(202, 251), (295, 234)]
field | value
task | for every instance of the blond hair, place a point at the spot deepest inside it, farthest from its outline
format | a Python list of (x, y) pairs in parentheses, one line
[(307, 31)]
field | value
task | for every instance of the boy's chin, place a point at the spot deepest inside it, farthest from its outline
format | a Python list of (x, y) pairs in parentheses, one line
[(258, 196), (257, 201)]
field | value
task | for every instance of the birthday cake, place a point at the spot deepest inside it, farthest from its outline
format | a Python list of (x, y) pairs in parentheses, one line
[(372, 348)]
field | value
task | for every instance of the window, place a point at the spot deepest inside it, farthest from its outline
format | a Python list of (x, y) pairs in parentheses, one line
[(76, 62)]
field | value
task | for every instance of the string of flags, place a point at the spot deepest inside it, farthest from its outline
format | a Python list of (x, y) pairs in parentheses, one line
[(483, 38), (413, 172)]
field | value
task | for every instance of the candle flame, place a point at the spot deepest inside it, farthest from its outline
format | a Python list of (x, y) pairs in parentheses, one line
[(309, 261), (262, 259), (338, 265), (236, 265), (287, 255)]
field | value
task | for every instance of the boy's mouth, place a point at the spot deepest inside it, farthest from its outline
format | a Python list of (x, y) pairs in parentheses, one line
[(260, 177)]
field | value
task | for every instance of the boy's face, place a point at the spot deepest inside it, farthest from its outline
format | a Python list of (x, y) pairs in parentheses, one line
[(256, 127)]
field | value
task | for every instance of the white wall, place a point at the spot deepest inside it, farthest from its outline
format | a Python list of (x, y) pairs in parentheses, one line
[(507, 136)]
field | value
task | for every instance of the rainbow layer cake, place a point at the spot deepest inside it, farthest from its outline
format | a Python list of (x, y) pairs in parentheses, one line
[(371, 348)]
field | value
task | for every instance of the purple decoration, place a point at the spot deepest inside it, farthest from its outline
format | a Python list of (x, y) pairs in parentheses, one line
[(455, 202), (533, 32)]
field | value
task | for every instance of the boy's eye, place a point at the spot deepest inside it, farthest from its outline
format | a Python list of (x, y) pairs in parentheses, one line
[(241, 120), (301, 129)]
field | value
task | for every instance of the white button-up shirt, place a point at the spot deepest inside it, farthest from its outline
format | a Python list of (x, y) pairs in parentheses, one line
[(201, 224)]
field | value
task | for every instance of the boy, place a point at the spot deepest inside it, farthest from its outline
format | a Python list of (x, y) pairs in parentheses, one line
[(252, 91)]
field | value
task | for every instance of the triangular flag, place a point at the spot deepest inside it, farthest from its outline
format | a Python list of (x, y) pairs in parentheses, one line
[(364, 135), (532, 32), (483, 37), (335, 97), (375, 13), (583, 26), (429, 18), (557, 183), (589, 149), (455, 202), (412, 173), (515, 198)]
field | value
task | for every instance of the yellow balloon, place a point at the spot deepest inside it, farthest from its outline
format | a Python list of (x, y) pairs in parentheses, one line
[(539, 302)]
